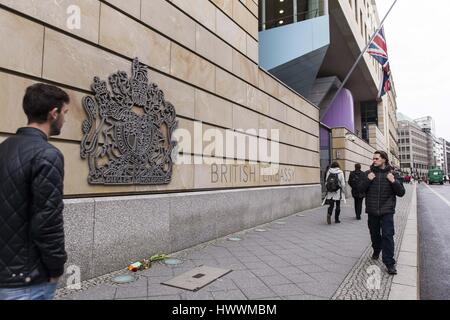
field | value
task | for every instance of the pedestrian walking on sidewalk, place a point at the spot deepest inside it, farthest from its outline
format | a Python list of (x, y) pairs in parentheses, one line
[(335, 184), (382, 186), (356, 177), (32, 251)]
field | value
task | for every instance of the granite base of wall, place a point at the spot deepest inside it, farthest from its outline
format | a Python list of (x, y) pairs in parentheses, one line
[(106, 234)]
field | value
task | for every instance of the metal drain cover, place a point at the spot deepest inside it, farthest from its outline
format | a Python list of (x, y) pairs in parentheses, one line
[(124, 279), (173, 262), (260, 230), (197, 278), (234, 239)]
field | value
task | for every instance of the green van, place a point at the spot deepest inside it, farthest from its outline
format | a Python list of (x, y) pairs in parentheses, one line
[(435, 176)]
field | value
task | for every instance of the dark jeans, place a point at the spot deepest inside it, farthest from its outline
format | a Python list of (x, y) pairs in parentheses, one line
[(338, 209), (358, 206), (382, 232)]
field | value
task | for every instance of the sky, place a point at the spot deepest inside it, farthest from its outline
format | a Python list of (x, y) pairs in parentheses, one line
[(417, 35)]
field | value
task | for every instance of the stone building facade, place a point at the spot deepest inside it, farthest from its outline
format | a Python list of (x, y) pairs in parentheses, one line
[(204, 56)]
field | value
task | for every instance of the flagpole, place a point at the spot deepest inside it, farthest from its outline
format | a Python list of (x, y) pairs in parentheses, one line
[(356, 63)]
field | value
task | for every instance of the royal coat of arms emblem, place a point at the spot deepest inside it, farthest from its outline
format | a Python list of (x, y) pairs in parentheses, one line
[(127, 136)]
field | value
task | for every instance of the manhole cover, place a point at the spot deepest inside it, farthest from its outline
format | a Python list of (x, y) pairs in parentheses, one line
[(124, 279), (197, 278), (173, 262)]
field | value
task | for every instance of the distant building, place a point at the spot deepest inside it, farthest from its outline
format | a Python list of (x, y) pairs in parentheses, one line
[(427, 124), (420, 149), (413, 148), (447, 157), (438, 153), (436, 156)]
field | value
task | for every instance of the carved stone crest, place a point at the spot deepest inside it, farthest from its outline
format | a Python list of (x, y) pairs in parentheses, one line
[(127, 134)]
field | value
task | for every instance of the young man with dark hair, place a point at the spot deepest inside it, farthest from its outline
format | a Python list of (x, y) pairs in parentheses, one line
[(382, 186), (354, 180), (32, 250)]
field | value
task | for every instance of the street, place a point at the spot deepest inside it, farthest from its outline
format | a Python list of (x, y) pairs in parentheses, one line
[(434, 239)]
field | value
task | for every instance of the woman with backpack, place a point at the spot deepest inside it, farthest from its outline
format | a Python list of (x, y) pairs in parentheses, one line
[(335, 184)]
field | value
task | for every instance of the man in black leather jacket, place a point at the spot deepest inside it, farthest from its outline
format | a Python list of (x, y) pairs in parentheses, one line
[(382, 186), (32, 250)]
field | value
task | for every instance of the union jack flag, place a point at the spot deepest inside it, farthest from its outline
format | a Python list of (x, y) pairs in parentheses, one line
[(386, 81), (378, 50)]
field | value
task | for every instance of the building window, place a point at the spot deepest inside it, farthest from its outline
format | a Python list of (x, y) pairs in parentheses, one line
[(369, 115), (367, 37), (276, 13), (361, 22)]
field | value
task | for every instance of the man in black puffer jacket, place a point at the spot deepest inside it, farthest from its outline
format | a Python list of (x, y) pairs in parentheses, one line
[(32, 251), (382, 187)]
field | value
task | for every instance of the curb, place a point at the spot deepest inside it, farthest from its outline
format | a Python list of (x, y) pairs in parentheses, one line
[(405, 286)]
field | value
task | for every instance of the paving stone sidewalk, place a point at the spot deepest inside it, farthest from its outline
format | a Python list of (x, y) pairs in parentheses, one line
[(299, 257), (368, 280)]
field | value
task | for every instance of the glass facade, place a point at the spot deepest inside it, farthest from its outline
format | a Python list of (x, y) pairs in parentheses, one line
[(278, 13), (369, 115)]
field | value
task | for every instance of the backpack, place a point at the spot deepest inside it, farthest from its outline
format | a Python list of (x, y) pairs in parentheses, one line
[(354, 180), (333, 182)]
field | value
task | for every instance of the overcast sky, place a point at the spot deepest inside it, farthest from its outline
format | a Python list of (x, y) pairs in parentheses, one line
[(417, 34)]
